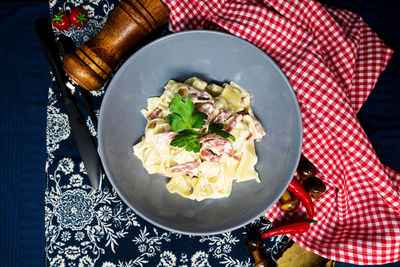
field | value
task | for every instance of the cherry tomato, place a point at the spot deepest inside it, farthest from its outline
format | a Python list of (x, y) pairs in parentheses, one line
[(78, 17), (61, 20)]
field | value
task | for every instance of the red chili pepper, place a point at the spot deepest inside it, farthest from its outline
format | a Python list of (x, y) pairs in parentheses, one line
[(290, 228), (298, 190)]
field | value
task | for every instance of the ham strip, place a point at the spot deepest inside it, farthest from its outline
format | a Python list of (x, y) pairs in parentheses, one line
[(154, 113), (165, 136), (259, 132), (214, 146), (197, 95), (233, 122), (189, 168), (223, 116), (207, 108), (249, 136)]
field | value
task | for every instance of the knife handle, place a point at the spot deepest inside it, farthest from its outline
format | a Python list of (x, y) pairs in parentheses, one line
[(131, 20), (80, 132)]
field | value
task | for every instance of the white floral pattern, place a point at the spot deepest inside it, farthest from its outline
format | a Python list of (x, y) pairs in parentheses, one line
[(84, 227)]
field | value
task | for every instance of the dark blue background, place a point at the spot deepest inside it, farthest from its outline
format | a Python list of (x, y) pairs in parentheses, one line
[(24, 81)]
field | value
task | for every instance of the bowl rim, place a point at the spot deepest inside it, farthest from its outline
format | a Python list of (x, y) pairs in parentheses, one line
[(101, 122)]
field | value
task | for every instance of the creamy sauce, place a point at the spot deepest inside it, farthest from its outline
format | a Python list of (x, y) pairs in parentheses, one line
[(211, 172)]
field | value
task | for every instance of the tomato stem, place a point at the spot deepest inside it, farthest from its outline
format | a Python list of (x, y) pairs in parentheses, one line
[(81, 18)]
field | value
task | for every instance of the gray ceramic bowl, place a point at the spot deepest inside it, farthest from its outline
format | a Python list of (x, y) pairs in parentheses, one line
[(212, 56)]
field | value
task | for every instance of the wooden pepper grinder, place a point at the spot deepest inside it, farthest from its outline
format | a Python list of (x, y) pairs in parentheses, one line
[(130, 21), (254, 244)]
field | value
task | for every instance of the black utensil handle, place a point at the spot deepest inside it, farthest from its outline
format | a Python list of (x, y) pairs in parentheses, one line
[(80, 132), (65, 45)]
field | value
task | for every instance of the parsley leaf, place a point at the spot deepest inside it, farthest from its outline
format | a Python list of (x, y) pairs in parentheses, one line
[(182, 108), (217, 129), (198, 119), (176, 122), (184, 122), (182, 116), (188, 139)]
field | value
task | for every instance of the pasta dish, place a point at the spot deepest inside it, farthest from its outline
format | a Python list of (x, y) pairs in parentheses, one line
[(201, 136)]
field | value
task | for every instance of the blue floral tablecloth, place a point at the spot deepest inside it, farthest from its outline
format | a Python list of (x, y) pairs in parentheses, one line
[(84, 227)]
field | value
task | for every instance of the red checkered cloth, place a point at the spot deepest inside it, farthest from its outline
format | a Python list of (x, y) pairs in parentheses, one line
[(333, 60)]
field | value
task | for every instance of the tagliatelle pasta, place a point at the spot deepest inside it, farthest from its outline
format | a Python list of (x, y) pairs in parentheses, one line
[(211, 172)]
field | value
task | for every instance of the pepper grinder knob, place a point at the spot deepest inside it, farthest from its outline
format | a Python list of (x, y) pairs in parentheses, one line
[(131, 20)]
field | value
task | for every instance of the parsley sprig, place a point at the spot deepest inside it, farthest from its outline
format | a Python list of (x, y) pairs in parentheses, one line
[(185, 122)]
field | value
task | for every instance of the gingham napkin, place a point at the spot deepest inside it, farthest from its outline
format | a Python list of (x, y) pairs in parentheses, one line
[(333, 60)]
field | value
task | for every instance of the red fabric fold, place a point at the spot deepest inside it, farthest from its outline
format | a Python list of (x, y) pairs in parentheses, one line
[(333, 60)]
